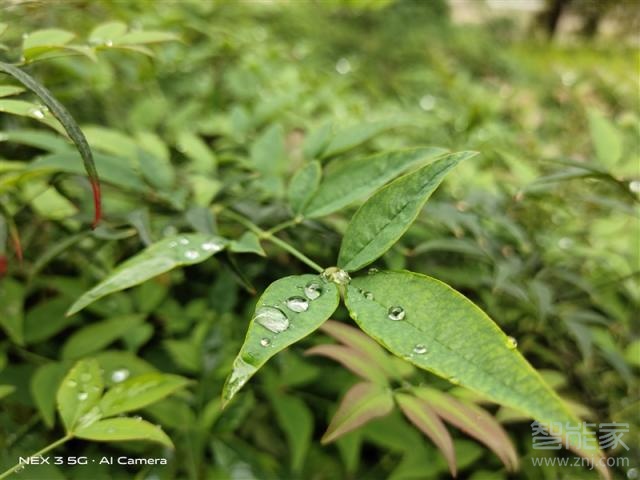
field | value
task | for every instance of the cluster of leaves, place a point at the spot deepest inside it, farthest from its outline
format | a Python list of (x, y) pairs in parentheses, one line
[(232, 146)]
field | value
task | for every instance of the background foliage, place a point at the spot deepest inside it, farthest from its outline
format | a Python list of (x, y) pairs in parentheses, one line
[(216, 113)]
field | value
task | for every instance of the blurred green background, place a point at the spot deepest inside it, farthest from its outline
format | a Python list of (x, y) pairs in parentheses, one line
[(541, 230)]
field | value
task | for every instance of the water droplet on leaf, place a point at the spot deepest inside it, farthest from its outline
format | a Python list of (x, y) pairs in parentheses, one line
[(313, 290), (512, 343), (634, 186), (192, 254), (265, 342), (368, 295), (119, 375), (37, 112), (396, 313), (427, 102), (209, 246), (343, 66), (82, 396), (336, 275), (297, 304), (420, 349), (183, 241), (272, 318), (372, 271)]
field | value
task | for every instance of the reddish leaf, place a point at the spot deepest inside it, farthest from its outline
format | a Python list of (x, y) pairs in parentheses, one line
[(362, 403), (354, 360)]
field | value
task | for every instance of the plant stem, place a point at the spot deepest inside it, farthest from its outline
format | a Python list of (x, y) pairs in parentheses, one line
[(269, 236), (51, 446)]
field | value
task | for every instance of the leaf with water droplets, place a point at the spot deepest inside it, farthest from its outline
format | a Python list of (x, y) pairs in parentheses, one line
[(362, 403), (122, 429), (383, 218), (79, 392), (352, 359), (352, 180), (276, 325), (463, 343), (422, 416), (165, 255), (138, 392)]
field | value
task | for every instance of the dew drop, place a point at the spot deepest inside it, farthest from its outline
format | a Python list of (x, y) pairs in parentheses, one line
[(109, 43), (368, 295), (297, 304), (137, 418), (420, 349), (632, 474), (18, 469), (37, 112), (372, 271), (396, 313), (209, 246), (192, 254), (427, 103), (343, 66), (265, 342), (634, 186), (512, 343), (82, 396), (119, 375), (183, 241), (272, 318), (336, 275), (313, 290)]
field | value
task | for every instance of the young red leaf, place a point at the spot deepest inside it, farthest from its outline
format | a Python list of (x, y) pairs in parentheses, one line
[(352, 359), (362, 403)]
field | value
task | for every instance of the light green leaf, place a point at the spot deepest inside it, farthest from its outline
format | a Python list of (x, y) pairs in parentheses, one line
[(632, 353), (436, 328), (247, 243), (303, 185), (289, 309), (31, 110), (106, 33), (119, 365), (42, 41), (296, 420), (154, 160), (352, 180), (606, 139), (347, 138), (362, 403), (316, 141), (202, 158), (267, 153), (165, 255), (96, 336), (11, 309), (36, 138), (138, 392), (422, 416), (144, 37), (8, 90), (122, 429), (384, 218), (3, 27), (79, 392), (44, 385)]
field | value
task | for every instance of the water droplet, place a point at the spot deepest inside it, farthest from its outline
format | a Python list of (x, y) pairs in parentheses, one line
[(372, 271), (82, 396), (632, 474), (454, 380), (336, 275), (265, 342), (37, 112), (192, 254), (209, 246), (137, 418), (183, 241), (396, 313), (272, 318), (19, 468), (343, 66), (565, 243), (72, 383), (427, 102), (420, 349), (119, 375), (109, 43), (297, 304), (313, 290), (512, 343), (368, 295), (634, 186), (85, 377)]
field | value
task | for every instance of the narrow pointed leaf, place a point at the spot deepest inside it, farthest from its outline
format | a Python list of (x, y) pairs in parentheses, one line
[(422, 416), (384, 218), (71, 127), (440, 330), (352, 180), (158, 258), (79, 392), (138, 392), (353, 360), (303, 185), (362, 403), (280, 320), (120, 429)]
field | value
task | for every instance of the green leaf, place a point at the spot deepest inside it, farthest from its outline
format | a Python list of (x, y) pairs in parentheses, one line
[(303, 185), (354, 179), (6, 390), (296, 420), (288, 310), (422, 416), (195, 149), (155, 162), (119, 429), (317, 141), (106, 33), (384, 218), (354, 360), (8, 90), (11, 309), (96, 336), (472, 420), (606, 139), (79, 392), (138, 392), (436, 328), (268, 153), (44, 384), (30, 110), (42, 41), (247, 243), (347, 138), (362, 403), (165, 255), (144, 37)]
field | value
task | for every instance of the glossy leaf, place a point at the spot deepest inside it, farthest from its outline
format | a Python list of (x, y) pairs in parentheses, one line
[(44, 385), (422, 416), (351, 180), (140, 391), (354, 360), (122, 429), (436, 328), (303, 185), (474, 421), (384, 217), (165, 255), (98, 335), (284, 314), (362, 403), (79, 392)]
